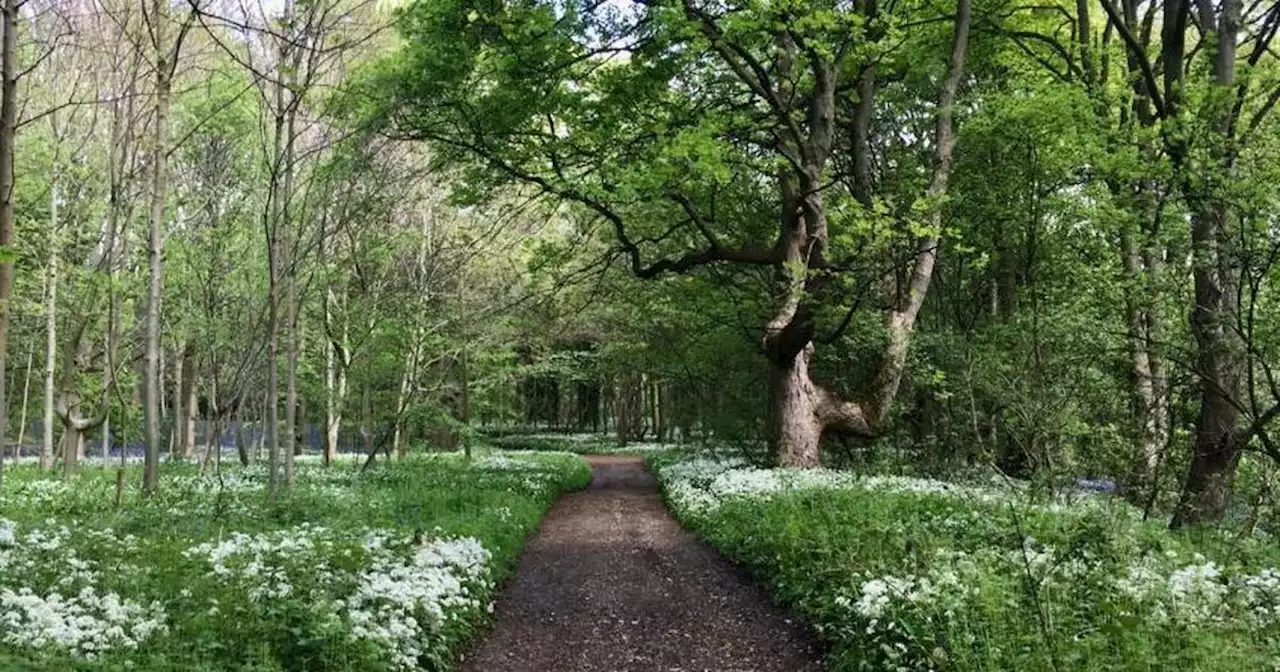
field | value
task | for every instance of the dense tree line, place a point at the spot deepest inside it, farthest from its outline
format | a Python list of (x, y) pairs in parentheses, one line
[(1040, 237)]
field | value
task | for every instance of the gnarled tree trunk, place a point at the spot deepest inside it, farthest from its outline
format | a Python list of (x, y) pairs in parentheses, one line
[(800, 410)]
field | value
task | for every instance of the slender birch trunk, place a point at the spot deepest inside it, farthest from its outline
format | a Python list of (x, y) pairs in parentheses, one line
[(164, 55), (26, 392), (51, 333)]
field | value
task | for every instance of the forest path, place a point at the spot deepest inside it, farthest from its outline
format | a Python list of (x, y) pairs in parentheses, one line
[(611, 583)]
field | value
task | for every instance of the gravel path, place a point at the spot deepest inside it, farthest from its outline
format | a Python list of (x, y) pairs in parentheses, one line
[(611, 583)]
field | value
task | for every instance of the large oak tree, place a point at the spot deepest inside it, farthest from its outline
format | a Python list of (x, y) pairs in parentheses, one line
[(710, 133)]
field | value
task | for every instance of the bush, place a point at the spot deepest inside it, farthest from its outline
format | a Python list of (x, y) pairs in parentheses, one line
[(387, 570), (581, 444), (914, 574)]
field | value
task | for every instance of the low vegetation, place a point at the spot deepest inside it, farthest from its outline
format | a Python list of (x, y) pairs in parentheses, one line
[(388, 569), (579, 443), (903, 573)]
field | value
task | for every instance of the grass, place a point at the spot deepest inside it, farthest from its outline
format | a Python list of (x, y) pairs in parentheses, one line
[(916, 574), (391, 569), (581, 444)]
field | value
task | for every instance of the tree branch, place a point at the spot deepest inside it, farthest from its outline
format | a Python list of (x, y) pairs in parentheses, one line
[(1139, 54)]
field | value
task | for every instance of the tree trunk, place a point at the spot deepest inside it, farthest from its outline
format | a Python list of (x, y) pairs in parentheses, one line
[(107, 343), (366, 424), (177, 405), (336, 391), (800, 411), (273, 375), (465, 405), (261, 442), (273, 227), (166, 423), (285, 99), (8, 120), (1215, 446), (213, 435), (794, 430), (398, 446), (627, 408), (187, 405), (336, 359), (330, 384), (1220, 358), (291, 386), (51, 347), (659, 412), (1144, 396), (155, 244), (26, 393), (72, 447), (242, 446)]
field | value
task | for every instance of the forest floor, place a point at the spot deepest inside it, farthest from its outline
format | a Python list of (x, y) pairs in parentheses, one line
[(612, 582)]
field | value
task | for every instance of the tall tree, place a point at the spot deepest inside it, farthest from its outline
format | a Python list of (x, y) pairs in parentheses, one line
[(164, 52), (713, 101)]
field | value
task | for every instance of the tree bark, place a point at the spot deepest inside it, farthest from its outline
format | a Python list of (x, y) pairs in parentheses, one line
[(285, 98), (107, 344), (177, 405), (1220, 358), (51, 345), (273, 374), (336, 359), (155, 242), (796, 429), (186, 405), (75, 358), (1149, 386), (26, 392), (406, 373), (465, 404), (273, 229), (8, 120)]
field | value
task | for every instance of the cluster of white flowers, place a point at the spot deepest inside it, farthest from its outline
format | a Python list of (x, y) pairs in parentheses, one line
[(87, 623), (69, 610), (1259, 595), (873, 607), (263, 563), (1192, 594), (39, 493), (1042, 563), (700, 483), (644, 448), (1201, 592), (685, 481), (395, 596), (699, 468), (401, 596), (501, 462), (568, 438)]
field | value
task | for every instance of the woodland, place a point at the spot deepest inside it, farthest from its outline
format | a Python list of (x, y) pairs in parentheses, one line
[(270, 263)]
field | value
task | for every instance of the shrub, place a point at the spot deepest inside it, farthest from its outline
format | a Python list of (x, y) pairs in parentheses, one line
[(919, 574), (387, 570)]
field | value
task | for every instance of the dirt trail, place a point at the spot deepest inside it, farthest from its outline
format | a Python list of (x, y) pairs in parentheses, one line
[(611, 583)]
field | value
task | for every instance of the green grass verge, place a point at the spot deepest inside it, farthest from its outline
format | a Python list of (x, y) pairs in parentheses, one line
[(915, 574), (386, 570), (581, 444)]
